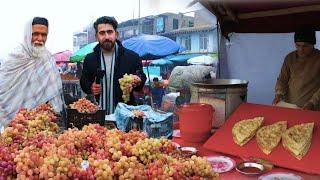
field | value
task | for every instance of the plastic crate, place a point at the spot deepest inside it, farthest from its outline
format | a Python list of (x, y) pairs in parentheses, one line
[(71, 91), (77, 119), (135, 124), (153, 129), (158, 129)]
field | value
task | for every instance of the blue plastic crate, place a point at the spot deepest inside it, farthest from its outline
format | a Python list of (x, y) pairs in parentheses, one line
[(159, 129)]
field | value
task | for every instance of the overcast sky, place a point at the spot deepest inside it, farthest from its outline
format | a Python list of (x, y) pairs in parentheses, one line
[(67, 16)]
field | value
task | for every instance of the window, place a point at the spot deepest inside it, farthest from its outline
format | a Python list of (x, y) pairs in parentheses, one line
[(204, 42), (191, 23), (175, 24), (160, 24), (147, 26), (186, 42)]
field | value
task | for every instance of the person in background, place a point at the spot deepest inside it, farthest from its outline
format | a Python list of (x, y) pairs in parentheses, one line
[(107, 64), (299, 80), (30, 77), (157, 92)]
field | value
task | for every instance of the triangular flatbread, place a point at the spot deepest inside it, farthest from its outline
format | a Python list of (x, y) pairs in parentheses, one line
[(297, 139), (268, 137), (244, 130)]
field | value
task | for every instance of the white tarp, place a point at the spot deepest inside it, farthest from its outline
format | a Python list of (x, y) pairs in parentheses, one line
[(203, 60)]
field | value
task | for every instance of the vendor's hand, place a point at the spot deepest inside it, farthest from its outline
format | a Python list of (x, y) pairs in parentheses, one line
[(308, 106), (136, 81), (95, 89), (276, 99)]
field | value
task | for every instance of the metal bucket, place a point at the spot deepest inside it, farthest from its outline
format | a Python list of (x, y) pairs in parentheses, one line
[(225, 95)]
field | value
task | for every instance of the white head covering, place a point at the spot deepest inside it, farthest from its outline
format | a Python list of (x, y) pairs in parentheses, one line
[(28, 78)]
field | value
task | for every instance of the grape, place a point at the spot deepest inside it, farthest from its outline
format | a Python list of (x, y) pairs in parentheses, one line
[(84, 106), (126, 85)]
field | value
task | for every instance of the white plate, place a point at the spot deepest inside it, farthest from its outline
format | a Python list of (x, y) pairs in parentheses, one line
[(280, 176), (221, 164), (176, 133), (176, 144)]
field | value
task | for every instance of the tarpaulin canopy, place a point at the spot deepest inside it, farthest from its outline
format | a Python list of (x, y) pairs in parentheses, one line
[(62, 56), (82, 52), (203, 60), (181, 57), (161, 62), (263, 16), (152, 46)]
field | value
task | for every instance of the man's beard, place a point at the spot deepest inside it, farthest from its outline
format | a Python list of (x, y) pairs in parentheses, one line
[(107, 45), (38, 51)]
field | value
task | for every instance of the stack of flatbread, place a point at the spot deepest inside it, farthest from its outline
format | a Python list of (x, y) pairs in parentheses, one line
[(268, 137), (244, 130), (297, 139)]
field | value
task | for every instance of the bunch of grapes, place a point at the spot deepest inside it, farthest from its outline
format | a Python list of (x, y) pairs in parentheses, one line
[(28, 162), (147, 150), (43, 109), (137, 113), (129, 168), (55, 166), (7, 165), (39, 140), (13, 137), (68, 77), (198, 167), (76, 172), (41, 123), (84, 106), (126, 85), (133, 136), (114, 147), (102, 169), (167, 146), (76, 143), (21, 118), (165, 167)]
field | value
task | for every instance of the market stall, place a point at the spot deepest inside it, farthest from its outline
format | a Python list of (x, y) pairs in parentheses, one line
[(221, 143), (34, 147)]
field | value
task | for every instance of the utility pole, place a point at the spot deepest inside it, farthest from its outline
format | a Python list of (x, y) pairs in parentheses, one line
[(139, 20)]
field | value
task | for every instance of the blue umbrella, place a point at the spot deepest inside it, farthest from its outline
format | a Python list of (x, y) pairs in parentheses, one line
[(161, 62), (152, 46)]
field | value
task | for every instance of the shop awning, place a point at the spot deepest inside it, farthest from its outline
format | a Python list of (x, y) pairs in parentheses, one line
[(263, 16)]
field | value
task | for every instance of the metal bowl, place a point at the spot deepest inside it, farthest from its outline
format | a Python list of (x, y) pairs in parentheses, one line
[(250, 168), (188, 151)]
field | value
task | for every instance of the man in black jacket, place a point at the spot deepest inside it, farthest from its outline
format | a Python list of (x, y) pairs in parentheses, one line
[(107, 64)]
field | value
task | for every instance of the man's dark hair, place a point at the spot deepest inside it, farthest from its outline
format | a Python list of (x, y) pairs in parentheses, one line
[(155, 79), (305, 34), (105, 20), (40, 20)]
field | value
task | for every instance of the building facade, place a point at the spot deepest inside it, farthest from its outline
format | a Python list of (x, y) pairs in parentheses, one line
[(197, 34)]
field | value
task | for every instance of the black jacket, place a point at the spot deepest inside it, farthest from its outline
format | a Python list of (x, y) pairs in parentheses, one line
[(126, 61)]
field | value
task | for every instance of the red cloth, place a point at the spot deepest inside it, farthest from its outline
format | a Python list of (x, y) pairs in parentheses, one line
[(222, 140), (234, 174)]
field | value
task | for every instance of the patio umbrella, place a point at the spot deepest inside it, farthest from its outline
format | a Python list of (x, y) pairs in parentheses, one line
[(152, 46), (203, 60), (82, 52), (62, 56)]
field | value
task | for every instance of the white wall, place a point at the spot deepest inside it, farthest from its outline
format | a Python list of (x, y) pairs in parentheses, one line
[(195, 40), (257, 58)]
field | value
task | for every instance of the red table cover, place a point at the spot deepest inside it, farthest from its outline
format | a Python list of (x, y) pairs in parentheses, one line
[(222, 140)]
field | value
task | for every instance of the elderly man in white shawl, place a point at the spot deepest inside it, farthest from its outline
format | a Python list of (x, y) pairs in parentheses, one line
[(29, 77)]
